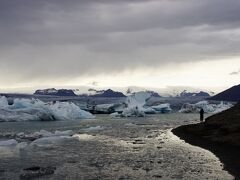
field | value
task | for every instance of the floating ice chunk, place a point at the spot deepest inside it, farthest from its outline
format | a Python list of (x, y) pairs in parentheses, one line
[(149, 110), (21, 145), (133, 112), (69, 111), (64, 133), (222, 107), (8, 143), (208, 108), (104, 108), (137, 99), (43, 134), (116, 114), (83, 137), (96, 128), (162, 108), (49, 141), (36, 110), (134, 105), (10, 148), (3, 102)]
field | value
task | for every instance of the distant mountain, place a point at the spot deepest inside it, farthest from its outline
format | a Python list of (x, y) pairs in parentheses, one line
[(55, 92), (154, 94), (194, 94), (130, 91), (105, 93), (231, 94)]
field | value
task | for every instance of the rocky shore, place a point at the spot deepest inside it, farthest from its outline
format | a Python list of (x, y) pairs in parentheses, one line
[(220, 134)]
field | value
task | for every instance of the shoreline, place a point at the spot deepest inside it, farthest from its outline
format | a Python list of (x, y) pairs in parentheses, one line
[(227, 153)]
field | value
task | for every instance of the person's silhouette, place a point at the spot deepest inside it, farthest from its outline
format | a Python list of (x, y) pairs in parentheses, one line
[(201, 115)]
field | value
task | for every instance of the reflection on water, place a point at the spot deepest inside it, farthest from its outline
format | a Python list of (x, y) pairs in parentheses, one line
[(130, 148)]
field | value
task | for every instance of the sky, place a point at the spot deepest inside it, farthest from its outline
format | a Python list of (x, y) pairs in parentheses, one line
[(104, 43)]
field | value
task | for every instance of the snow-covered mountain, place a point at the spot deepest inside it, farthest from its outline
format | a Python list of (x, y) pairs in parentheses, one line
[(106, 93), (185, 93), (169, 91), (55, 92)]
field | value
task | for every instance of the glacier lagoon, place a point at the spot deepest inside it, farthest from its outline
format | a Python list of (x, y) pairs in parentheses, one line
[(111, 148)]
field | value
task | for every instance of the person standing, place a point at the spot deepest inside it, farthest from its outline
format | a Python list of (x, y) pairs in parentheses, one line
[(201, 115)]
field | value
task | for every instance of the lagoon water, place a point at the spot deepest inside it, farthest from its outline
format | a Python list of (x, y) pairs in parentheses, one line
[(113, 148)]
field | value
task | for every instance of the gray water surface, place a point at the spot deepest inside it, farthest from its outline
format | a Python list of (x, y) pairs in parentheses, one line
[(128, 148)]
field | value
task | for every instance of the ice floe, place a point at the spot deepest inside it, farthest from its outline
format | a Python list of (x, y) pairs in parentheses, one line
[(43, 134), (49, 141), (10, 147), (8, 143), (93, 128), (36, 110)]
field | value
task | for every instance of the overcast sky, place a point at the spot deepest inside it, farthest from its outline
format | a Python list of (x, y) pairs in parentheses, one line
[(152, 43)]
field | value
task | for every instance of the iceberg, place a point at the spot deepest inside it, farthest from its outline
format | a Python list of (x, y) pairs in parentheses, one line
[(8, 146), (68, 111), (133, 112), (49, 141), (206, 106), (150, 110), (8, 143), (162, 108), (93, 128), (3, 102), (44, 133), (134, 105), (36, 110)]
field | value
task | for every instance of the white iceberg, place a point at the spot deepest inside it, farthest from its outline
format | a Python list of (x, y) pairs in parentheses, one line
[(93, 128), (9, 146), (44, 133), (133, 112), (134, 105), (3, 102), (34, 109), (138, 99), (8, 143), (206, 106), (162, 108), (150, 110), (104, 108), (50, 141), (109, 108), (68, 111), (222, 107)]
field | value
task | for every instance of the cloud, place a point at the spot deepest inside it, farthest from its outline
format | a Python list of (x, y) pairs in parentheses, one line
[(58, 39), (235, 72)]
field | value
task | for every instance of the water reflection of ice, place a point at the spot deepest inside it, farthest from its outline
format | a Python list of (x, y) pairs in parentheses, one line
[(10, 148)]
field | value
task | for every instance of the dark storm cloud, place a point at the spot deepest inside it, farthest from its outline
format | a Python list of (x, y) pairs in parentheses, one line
[(70, 38)]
